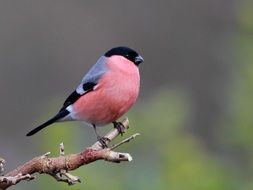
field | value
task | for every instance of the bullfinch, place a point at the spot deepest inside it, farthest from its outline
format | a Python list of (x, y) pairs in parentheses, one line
[(105, 93)]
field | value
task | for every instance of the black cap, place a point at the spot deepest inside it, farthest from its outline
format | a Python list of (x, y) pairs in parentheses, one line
[(126, 52)]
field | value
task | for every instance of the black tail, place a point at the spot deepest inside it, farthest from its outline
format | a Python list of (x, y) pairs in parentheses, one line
[(60, 115)]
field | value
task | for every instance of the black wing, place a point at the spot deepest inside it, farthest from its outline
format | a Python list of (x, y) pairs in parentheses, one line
[(87, 87)]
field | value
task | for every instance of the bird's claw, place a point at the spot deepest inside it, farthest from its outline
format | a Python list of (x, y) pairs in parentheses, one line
[(119, 126), (104, 141)]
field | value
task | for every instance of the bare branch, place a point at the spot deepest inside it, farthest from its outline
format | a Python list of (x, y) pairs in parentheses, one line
[(2, 162), (125, 141), (15, 179), (58, 167)]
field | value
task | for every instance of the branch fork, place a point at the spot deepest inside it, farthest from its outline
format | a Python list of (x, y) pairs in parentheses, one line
[(59, 167)]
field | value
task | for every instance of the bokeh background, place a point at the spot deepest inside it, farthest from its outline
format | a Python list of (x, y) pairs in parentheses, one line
[(195, 108)]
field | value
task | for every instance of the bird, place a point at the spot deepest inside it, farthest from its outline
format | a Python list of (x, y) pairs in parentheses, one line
[(108, 90)]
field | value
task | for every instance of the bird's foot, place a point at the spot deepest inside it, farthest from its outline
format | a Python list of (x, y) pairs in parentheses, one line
[(104, 141), (119, 126)]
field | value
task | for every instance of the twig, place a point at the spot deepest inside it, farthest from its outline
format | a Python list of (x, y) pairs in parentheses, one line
[(59, 167), (2, 162), (125, 141), (15, 179)]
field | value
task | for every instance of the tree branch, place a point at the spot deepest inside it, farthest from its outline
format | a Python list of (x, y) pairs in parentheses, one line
[(58, 167)]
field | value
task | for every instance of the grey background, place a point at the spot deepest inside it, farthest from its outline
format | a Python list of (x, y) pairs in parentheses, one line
[(47, 46)]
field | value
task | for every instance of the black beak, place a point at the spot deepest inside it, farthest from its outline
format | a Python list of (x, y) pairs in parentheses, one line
[(138, 60)]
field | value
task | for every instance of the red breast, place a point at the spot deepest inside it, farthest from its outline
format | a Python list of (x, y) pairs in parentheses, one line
[(116, 92)]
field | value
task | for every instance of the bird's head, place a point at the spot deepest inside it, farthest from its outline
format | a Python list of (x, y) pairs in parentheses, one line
[(126, 52)]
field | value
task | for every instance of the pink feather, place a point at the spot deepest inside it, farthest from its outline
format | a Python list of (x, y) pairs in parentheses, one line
[(116, 92)]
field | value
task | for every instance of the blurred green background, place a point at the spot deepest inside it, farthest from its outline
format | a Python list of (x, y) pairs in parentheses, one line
[(195, 108)]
